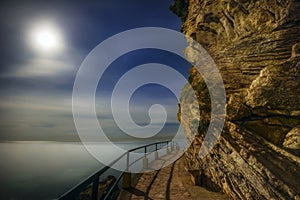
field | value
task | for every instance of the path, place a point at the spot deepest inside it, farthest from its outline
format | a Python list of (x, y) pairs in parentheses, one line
[(167, 183)]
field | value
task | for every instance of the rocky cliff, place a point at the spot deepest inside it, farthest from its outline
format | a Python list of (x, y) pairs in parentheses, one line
[(256, 46)]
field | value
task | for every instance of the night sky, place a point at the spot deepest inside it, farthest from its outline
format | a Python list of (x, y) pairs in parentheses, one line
[(36, 87)]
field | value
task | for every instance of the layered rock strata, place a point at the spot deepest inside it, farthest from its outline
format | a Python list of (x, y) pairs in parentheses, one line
[(256, 47)]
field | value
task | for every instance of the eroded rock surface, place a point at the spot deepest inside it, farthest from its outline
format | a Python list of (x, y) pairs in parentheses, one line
[(292, 140), (256, 46)]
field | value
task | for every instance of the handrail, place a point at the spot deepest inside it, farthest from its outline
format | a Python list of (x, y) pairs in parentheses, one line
[(94, 178)]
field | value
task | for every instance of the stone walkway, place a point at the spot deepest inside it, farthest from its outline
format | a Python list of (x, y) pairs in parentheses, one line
[(169, 182)]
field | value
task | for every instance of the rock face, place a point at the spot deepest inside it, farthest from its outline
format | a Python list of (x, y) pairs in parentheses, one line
[(256, 46), (292, 140)]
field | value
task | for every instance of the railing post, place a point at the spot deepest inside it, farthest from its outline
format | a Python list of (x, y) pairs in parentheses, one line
[(156, 155), (95, 188), (156, 152), (145, 160), (168, 148), (127, 161)]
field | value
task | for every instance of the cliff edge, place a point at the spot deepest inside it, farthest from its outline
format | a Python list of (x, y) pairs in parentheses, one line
[(256, 46)]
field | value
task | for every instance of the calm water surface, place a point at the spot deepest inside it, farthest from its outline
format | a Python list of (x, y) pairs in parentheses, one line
[(45, 170)]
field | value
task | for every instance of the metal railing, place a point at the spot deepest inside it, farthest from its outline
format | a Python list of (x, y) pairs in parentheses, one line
[(94, 178)]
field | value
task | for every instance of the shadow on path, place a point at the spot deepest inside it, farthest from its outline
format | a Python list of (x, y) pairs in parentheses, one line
[(170, 181), (155, 177), (151, 183)]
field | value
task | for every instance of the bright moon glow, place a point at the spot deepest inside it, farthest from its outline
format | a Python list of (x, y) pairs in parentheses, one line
[(46, 39)]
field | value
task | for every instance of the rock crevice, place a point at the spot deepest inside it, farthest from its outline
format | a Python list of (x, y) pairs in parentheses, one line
[(256, 46)]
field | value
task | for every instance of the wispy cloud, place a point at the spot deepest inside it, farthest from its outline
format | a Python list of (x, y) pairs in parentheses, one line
[(45, 117), (41, 67), (49, 117)]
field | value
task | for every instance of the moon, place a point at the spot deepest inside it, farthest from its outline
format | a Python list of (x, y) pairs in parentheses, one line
[(46, 38)]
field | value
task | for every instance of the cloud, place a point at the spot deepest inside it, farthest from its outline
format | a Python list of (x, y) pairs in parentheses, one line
[(48, 117), (41, 67), (40, 108), (45, 117), (43, 124)]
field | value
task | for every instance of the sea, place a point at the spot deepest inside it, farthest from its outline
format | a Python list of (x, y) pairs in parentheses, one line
[(46, 170)]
